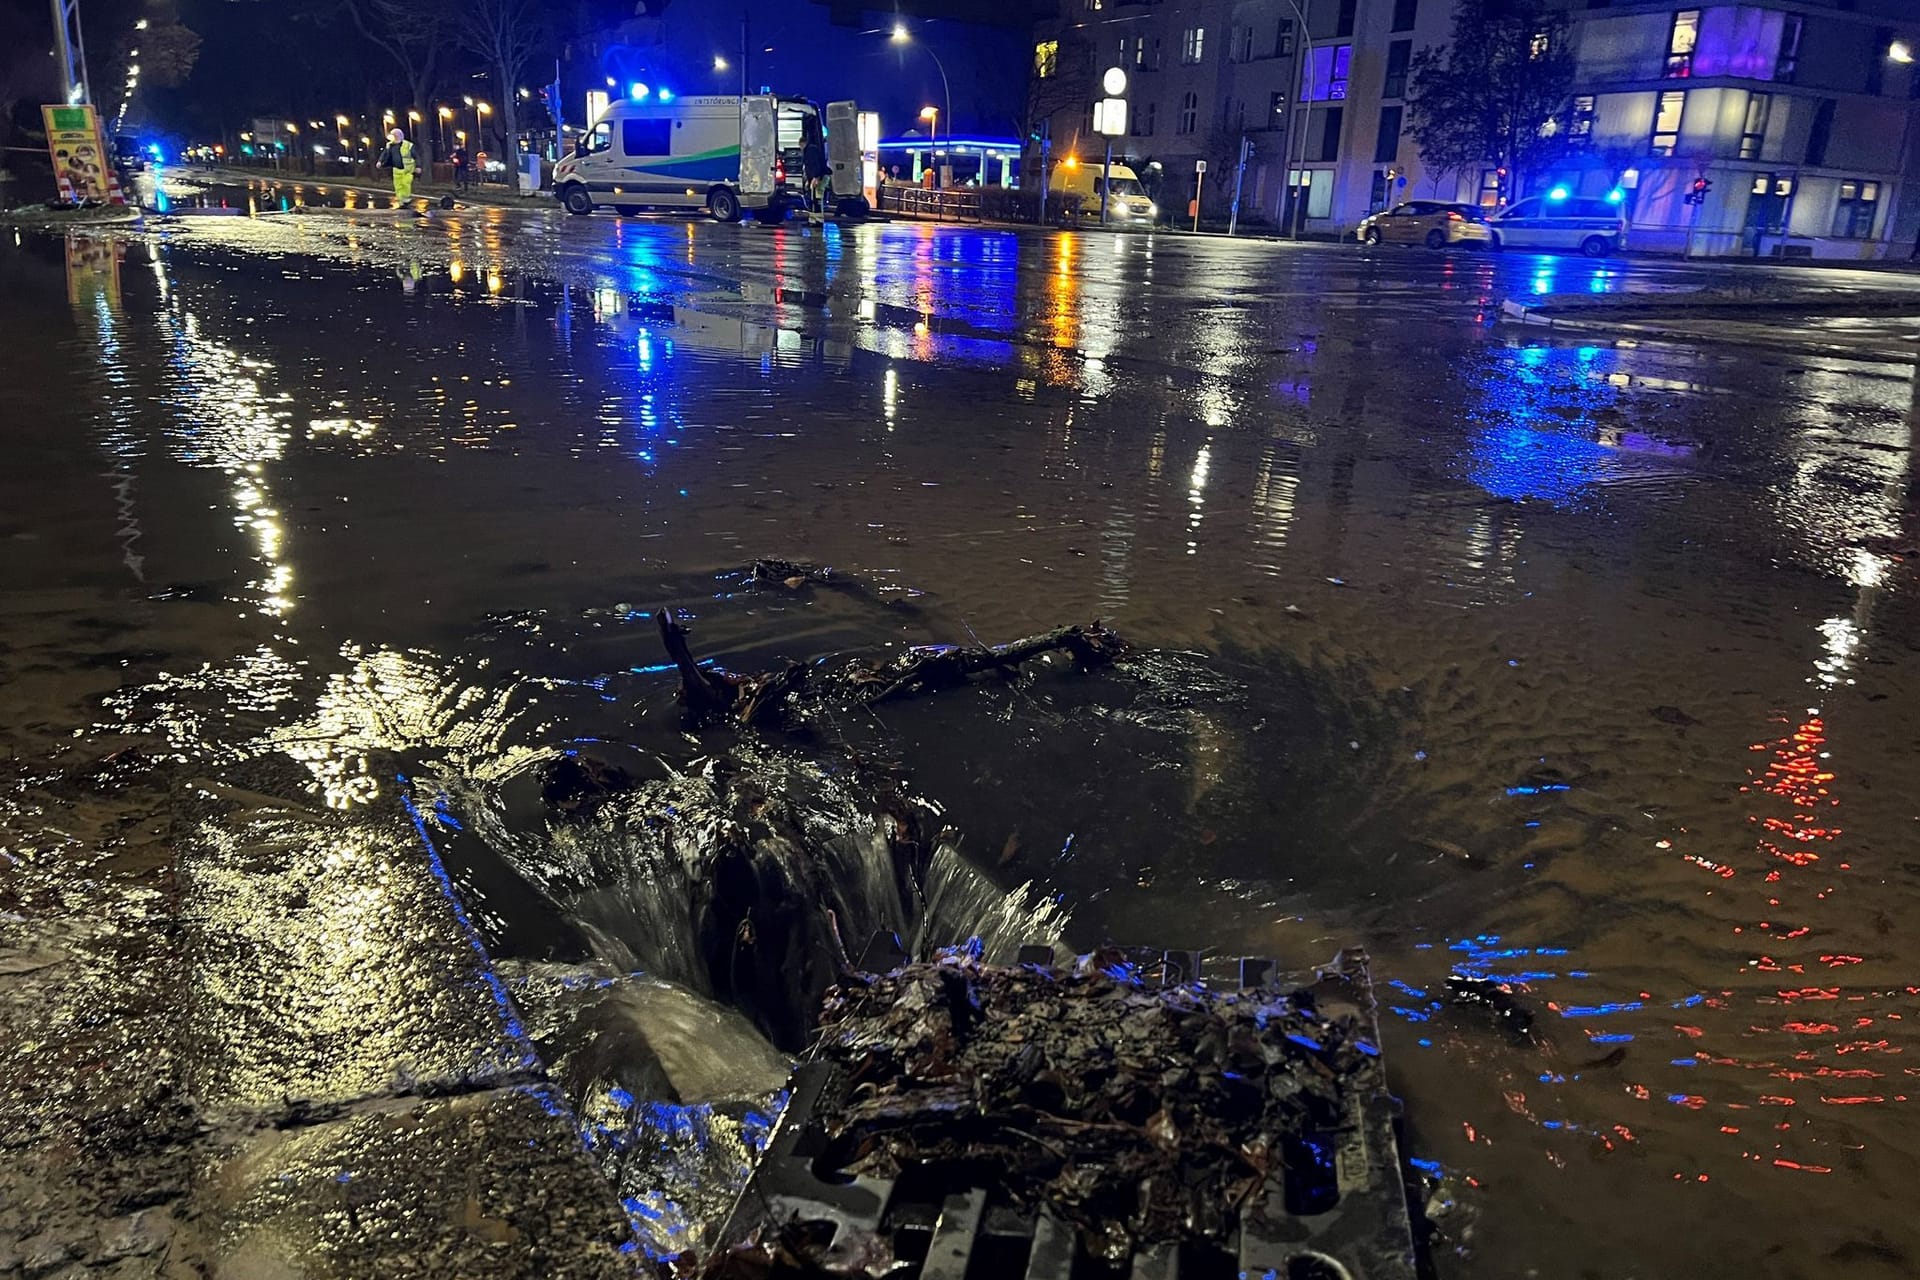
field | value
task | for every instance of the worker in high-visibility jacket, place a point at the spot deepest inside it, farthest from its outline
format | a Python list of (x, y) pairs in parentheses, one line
[(401, 158)]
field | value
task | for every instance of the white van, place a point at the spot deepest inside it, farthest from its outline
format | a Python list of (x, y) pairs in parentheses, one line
[(1557, 221), (722, 154)]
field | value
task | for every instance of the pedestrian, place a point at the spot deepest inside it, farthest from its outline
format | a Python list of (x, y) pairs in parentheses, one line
[(462, 166), (399, 156)]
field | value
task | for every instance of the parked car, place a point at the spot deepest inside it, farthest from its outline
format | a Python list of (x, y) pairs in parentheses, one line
[(1594, 227), (1434, 223)]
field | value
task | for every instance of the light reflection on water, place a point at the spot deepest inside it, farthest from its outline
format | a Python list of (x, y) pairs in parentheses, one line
[(1488, 559)]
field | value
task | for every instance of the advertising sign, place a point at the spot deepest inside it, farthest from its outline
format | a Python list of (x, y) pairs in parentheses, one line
[(80, 162)]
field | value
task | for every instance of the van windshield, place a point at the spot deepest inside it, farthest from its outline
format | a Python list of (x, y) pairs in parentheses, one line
[(1122, 187)]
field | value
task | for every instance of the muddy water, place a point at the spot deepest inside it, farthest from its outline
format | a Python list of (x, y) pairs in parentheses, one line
[(1593, 667)]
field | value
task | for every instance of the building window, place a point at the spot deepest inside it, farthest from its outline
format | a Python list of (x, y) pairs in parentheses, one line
[(1399, 56), (1681, 39), (1242, 47), (1283, 38), (1821, 132), (1046, 59), (1666, 123), (1189, 113), (1094, 6), (1325, 74), (1276, 110), (1754, 135), (1343, 22), (1377, 196), (1489, 189), (1330, 134), (1235, 115), (1386, 144), (1789, 59), (1319, 195), (1148, 118), (1580, 121), (1876, 79), (1853, 215), (1193, 44), (1404, 12)]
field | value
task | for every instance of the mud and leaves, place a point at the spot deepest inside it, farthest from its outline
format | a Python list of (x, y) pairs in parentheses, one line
[(1141, 1114)]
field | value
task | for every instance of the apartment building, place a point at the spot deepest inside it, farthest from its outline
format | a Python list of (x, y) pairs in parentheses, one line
[(1800, 116)]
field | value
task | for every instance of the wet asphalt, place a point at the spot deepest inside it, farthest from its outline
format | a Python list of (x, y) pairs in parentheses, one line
[(1585, 662)]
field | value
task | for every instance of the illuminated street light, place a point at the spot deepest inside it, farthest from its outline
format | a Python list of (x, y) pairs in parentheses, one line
[(719, 63), (1900, 51), (140, 25), (901, 35)]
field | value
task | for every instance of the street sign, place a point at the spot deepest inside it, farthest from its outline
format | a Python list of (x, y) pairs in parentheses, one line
[(1110, 117), (1199, 166)]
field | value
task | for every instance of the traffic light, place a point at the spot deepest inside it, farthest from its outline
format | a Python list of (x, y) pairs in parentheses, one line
[(1701, 186)]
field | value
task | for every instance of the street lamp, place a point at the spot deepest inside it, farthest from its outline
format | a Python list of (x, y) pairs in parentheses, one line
[(479, 125), (932, 116), (901, 35)]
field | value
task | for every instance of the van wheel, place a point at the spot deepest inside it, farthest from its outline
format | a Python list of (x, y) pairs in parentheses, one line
[(1596, 246), (723, 204), (578, 200), (1436, 239)]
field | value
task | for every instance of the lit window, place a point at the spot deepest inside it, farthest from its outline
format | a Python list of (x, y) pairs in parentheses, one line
[(1193, 44), (1681, 40), (1853, 214), (1189, 112), (1666, 123), (1325, 73), (1580, 120), (1754, 135), (1046, 59)]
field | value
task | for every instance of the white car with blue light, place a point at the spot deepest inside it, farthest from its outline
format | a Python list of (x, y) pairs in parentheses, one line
[(1593, 225)]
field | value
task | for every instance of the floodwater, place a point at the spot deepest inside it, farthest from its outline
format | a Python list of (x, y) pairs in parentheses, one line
[(1591, 667)]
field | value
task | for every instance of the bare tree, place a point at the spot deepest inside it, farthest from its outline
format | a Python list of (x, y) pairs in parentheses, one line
[(412, 33), (505, 35)]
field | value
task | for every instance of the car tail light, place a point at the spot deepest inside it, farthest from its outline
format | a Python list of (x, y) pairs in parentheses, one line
[(779, 174), (1453, 216)]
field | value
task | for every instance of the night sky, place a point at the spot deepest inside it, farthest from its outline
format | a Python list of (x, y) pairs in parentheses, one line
[(302, 59)]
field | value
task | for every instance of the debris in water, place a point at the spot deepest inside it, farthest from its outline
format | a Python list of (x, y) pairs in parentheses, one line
[(1141, 1115), (1495, 998)]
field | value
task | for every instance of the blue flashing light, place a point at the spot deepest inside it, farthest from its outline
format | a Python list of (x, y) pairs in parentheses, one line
[(637, 91), (1558, 193), (666, 95), (1615, 196)]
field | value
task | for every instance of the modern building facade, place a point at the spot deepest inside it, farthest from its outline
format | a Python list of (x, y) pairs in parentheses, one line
[(1800, 116)]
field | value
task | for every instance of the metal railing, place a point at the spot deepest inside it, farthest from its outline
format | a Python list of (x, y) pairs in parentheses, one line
[(953, 204)]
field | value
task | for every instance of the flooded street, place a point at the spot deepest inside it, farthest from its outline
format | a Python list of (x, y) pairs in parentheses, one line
[(1590, 667)]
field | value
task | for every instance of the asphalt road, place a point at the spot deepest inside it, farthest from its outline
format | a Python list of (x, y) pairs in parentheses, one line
[(1585, 662)]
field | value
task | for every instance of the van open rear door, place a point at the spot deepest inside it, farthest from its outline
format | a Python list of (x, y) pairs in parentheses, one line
[(759, 145), (843, 147)]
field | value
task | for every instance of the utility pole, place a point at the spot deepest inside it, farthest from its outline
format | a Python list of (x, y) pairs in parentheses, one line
[(1046, 169), (743, 53), (73, 54)]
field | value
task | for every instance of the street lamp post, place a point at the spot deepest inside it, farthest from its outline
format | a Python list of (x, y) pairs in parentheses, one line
[(902, 36), (1306, 121), (932, 116), (446, 115), (1110, 121)]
